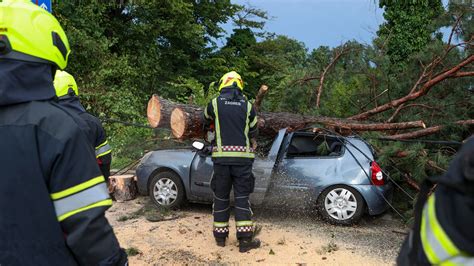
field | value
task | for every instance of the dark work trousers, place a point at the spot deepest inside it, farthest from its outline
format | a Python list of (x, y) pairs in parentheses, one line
[(225, 178)]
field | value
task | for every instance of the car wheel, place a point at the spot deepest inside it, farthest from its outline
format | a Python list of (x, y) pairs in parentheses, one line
[(166, 190), (341, 205)]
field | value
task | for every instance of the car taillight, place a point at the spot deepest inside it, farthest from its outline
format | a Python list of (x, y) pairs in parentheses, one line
[(376, 174)]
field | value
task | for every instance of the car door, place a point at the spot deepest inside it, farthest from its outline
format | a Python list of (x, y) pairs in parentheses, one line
[(263, 169), (202, 170), (299, 178), (200, 176)]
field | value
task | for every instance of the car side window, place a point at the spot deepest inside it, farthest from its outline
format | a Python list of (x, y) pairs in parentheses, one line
[(314, 145)]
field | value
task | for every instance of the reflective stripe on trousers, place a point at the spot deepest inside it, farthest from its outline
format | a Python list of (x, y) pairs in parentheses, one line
[(437, 245)]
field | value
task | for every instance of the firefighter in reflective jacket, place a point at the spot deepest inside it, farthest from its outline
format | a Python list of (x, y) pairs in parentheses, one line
[(52, 195), (443, 232), (67, 93), (235, 122)]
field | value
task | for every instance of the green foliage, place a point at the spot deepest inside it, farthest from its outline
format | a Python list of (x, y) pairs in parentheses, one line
[(408, 27)]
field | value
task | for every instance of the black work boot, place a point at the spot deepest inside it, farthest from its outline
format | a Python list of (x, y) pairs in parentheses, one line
[(246, 244), (220, 241)]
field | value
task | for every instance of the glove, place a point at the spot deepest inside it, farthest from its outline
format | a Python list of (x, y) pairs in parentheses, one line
[(210, 136)]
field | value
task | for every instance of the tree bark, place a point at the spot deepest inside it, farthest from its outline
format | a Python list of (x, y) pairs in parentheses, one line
[(123, 187), (258, 100), (159, 111)]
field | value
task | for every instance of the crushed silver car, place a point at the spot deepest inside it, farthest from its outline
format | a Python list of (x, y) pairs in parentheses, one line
[(337, 176)]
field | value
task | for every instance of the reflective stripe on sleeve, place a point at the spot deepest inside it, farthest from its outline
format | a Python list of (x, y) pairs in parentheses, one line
[(437, 245), (218, 127), (107, 202), (247, 128), (80, 200), (254, 122), (77, 188), (102, 149)]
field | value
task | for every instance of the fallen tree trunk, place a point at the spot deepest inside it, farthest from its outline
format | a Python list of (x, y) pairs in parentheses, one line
[(186, 122), (159, 111)]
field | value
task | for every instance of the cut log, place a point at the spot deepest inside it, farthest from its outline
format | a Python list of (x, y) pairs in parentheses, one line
[(123, 187), (186, 122), (159, 111), (258, 100)]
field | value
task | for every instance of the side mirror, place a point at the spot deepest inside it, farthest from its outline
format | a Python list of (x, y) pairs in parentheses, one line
[(198, 145)]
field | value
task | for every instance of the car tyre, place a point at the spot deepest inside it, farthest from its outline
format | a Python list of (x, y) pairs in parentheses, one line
[(166, 190), (341, 205)]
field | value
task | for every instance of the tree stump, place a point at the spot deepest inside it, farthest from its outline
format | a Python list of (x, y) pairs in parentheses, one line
[(123, 187)]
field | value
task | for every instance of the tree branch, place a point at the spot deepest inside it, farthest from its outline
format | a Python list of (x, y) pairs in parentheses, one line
[(428, 131), (463, 74), (261, 93), (416, 94), (337, 55)]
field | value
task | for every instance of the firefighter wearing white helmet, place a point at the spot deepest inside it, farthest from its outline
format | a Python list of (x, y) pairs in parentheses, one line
[(52, 194)]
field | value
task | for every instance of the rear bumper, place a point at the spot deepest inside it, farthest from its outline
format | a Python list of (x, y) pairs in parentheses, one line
[(143, 173), (376, 197)]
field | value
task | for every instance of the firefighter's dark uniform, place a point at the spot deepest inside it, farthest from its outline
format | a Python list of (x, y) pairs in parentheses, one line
[(235, 122), (103, 151), (52, 194), (443, 232), (94, 132)]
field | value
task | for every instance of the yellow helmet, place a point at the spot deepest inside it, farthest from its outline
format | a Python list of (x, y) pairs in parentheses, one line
[(231, 79), (65, 84), (29, 33)]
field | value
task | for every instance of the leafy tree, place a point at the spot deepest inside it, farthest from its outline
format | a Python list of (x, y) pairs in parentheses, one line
[(408, 27)]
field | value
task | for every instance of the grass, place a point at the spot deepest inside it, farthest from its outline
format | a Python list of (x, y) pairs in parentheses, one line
[(330, 247), (132, 251)]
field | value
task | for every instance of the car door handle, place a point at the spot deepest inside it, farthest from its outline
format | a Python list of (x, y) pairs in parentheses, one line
[(202, 184)]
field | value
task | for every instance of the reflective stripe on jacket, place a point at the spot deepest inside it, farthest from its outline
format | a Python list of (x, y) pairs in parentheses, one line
[(437, 245), (235, 123)]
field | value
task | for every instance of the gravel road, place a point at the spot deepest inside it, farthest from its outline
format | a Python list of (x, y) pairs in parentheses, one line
[(156, 237)]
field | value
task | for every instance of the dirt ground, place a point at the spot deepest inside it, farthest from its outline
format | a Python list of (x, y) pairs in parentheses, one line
[(185, 237)]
